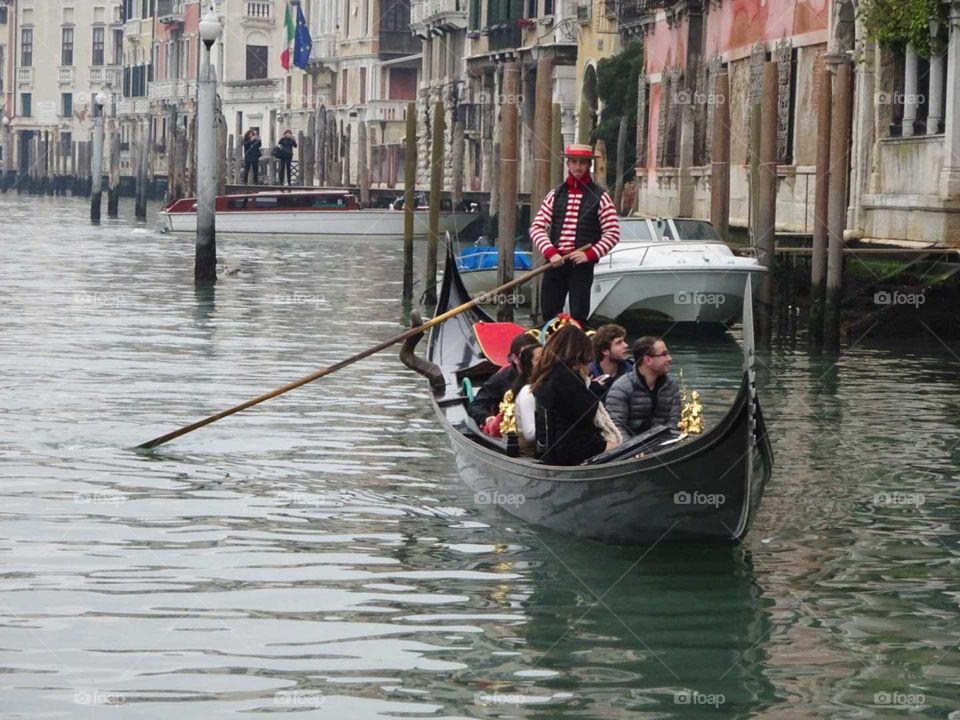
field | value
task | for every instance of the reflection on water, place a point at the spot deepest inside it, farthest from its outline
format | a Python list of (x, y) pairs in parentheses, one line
[(318, 552)]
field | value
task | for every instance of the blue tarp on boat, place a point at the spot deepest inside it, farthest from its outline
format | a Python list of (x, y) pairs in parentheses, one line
[(485, 258)]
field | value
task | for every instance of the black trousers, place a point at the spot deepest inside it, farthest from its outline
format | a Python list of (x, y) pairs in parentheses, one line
[(568, 278), (285, 167), (251, 165)]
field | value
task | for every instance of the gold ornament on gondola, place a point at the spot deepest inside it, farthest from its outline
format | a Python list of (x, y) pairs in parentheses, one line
[(691, 416), (508, 424)]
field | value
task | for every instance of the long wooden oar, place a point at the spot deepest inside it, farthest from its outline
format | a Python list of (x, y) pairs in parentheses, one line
[(350, 360)]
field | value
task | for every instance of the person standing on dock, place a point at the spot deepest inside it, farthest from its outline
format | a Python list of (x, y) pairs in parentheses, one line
[(286, 146), (577, 213), (251, 156)]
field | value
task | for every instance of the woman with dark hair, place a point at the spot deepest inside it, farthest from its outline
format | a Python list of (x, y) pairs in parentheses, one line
[(566, 407), (525, 405)]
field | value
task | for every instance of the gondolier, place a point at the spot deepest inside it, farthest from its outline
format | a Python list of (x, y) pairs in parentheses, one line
[(575, 214)]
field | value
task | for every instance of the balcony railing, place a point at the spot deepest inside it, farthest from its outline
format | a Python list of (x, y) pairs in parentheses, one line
[(171, 89), (448, 14), (170, 12), (24, 76), (324, 48), (65, 75), (106, 75), (259, 10), (387, 110), (629, 12), (265, 91)]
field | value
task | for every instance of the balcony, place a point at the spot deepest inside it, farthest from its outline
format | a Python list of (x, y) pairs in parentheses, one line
[(24, 76), (631, 13), (131, 28), (441, 15), (170, 12), (324, 49), (387, 110), (259, 11), (254, 91), (65, 75), (171, 89), (111, 75)]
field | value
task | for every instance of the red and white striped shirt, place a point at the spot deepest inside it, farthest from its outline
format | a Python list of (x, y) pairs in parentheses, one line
[(540, 227)]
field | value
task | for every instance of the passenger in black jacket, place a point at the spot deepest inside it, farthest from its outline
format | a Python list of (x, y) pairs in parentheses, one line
[(647, 397), (566, 405), (486, 403), (251, 156), (286, 146)]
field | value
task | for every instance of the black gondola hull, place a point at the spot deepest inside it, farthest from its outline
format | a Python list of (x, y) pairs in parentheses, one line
[(703, 489)]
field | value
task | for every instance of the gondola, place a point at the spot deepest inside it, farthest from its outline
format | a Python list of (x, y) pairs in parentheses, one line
[(654, 488)]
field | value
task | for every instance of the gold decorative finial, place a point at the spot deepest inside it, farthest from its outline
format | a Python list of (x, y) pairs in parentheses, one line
[(691, 416), (509, 422)]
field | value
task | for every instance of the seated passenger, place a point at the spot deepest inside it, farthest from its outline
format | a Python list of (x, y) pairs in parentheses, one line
[(566, 407), (525, 405), (610, 352), (486, 403), (648, 396)]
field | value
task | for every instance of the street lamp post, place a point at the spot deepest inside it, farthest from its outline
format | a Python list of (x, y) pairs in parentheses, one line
[(205, 265), (96, 197)]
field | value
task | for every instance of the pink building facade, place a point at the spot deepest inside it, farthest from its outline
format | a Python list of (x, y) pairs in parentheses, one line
[(901, 183)]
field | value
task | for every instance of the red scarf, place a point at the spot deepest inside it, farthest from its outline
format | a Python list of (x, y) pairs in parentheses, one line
[(574, 185)]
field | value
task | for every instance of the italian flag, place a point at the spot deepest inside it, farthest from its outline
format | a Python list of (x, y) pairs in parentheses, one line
[(290, 33)]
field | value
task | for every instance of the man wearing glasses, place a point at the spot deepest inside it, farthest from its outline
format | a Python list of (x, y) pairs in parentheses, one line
[(648, 396)]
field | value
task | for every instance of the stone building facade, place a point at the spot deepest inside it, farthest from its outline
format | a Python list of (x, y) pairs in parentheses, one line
[(903, 141)]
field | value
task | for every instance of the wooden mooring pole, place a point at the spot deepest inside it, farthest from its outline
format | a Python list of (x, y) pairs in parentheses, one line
[(720, 162), (409, 180), (837, 206), (767, 196), (818, 265), (113, 188), (436, 179)]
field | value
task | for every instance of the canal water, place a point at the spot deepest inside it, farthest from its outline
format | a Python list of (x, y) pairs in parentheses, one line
[(318, 553)]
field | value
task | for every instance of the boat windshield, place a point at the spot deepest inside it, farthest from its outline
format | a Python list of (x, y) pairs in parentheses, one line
[(635, 229), (695, 230), (291, 201)]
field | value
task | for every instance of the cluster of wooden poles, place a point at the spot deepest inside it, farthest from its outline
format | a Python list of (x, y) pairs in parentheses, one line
[(834, 118)]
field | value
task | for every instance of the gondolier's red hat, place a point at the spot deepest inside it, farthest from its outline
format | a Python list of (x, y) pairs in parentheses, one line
[(576, 150)]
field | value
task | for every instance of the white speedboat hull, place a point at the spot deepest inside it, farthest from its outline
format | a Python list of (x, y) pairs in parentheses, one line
[(334, 224), (676, 282)]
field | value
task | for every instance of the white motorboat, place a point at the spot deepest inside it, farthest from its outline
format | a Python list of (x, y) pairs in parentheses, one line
[(672, 270), (324, 212)]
